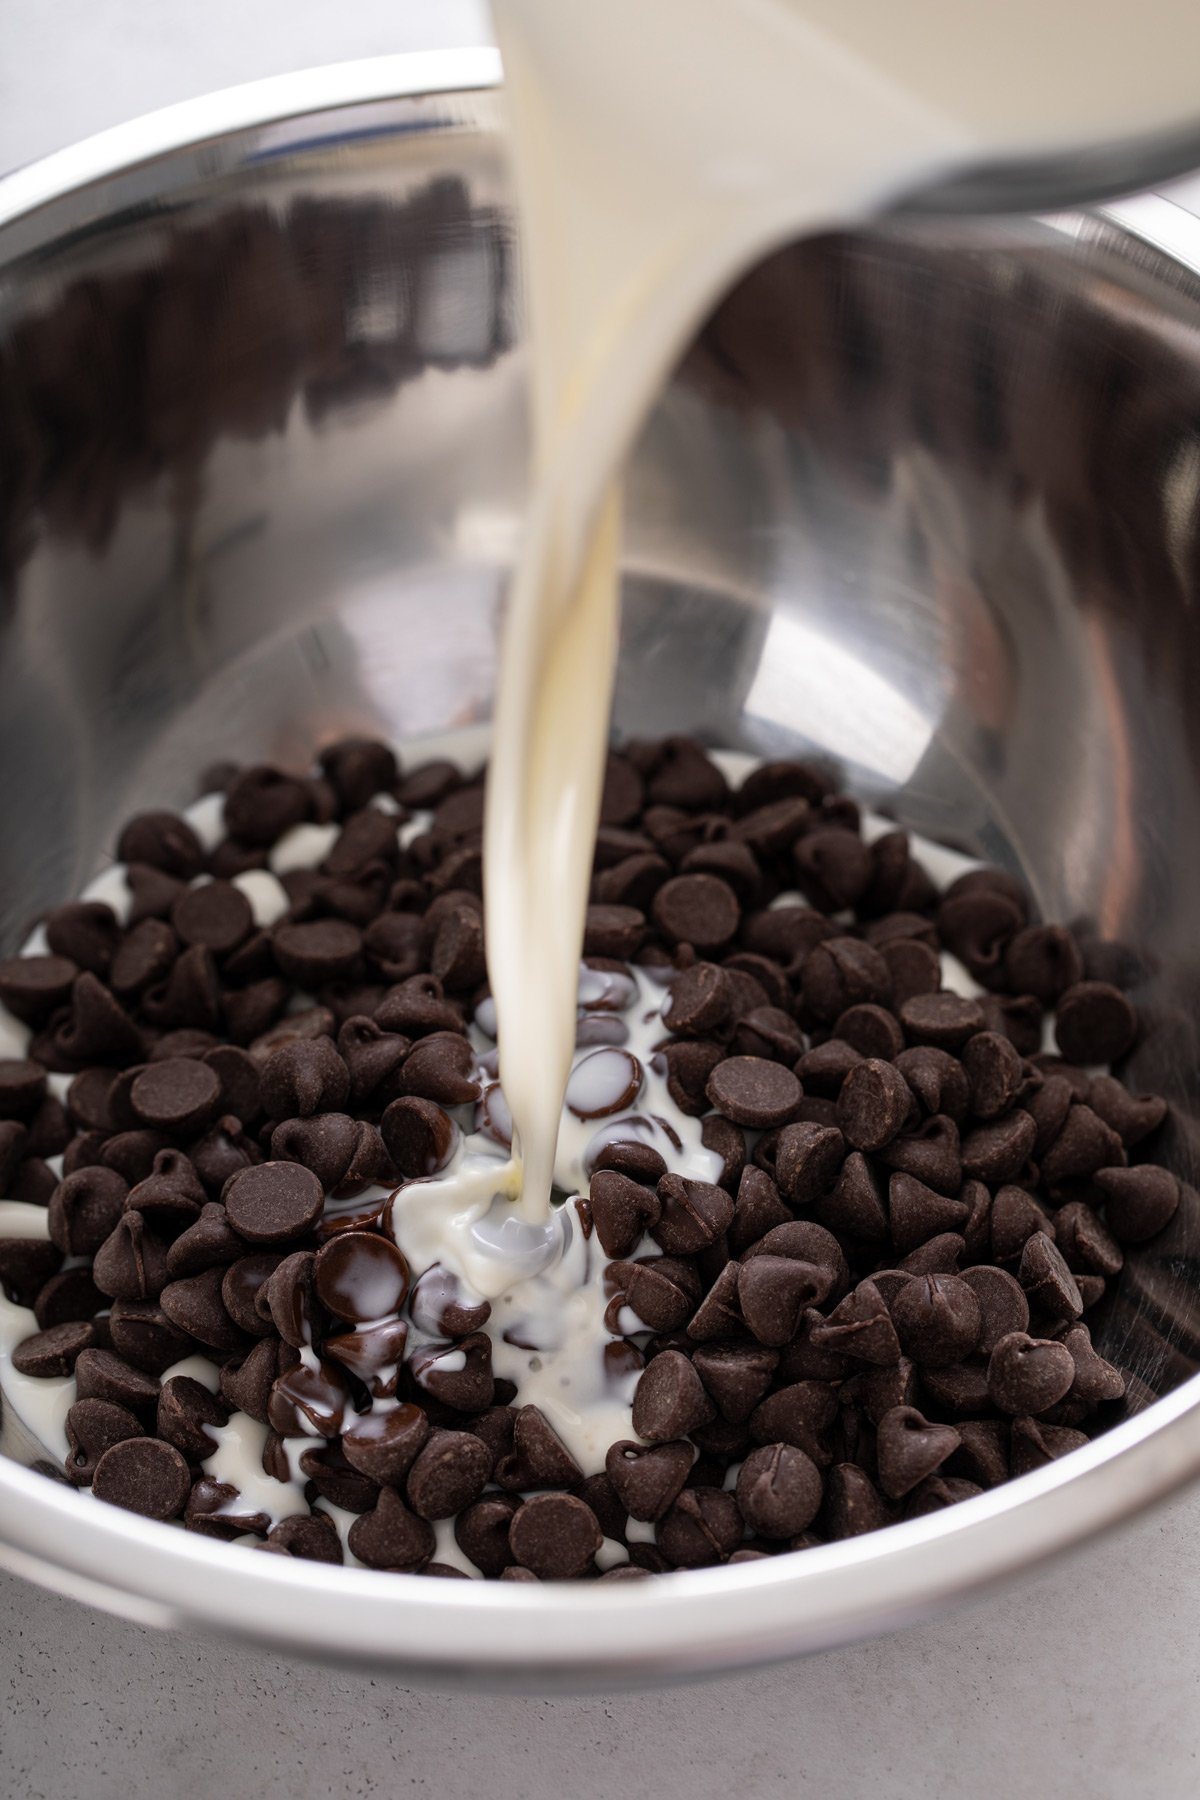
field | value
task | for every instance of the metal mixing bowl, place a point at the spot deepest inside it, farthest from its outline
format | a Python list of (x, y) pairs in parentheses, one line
[(923, 497)]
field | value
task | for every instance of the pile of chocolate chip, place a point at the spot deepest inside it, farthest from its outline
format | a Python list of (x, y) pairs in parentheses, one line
[(879, 1310)]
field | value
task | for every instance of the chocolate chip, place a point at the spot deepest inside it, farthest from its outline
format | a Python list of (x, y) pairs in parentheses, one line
[(1094, 1023), (853, 1504), (807, 1159), (86, 932), (243, 1291), (52, 1352), (84, 1209), (693, 1214), (316, 952), (1034, 1444), (216, 1509), (937, 1080), (1049, 1283), (187, 1416), (71, 1294), (860, 1326), (178, 1096), (360, 1276), (670, 1399), (1095, 1379), (1087, 1245), (977, 927), (613, 931), (752, 1091), (701, 910), (622, 1210), (998, 1152), (1138, 1202), (799, 1414), (701, 1001), (1042, 960), (164, 841), (309, 1401), (26, 1264), (983, 1451), (303, 1078), (555, 1536), (131, 1263), (439, 1067), (332, 1146), (608, 1081), (144, 1336), (689, 1063), (1082, 1146), (195, 1306), (662, 1290), (1003, 1307), (312, 1537), (937, 1319), (101, 1375), (773, 1292), (390, 1536), (144, 1475), (34, 987), (703, 1526), (945, 1021), (443, 1306), (467, 1383), (273, 1202), (843, 972), (718, 1314), (450, 1473), (360, 768), (538, 1458), (909, 1448), (779, 1490), (384, 1446), (1027, 1375), (854, 1205), (872, 1105), (833, 868), (757, 1209), (481, 1533), (736, 1376), (22, 1088), (1132, 1117), (871, 1030), (246, 1382), (917, 1213), (648, 1478), (94, 1426)]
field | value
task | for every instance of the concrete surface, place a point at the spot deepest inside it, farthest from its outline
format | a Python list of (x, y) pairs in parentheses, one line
[(1085, 1681)]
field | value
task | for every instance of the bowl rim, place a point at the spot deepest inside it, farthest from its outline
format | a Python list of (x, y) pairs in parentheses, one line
[(576, 1636)]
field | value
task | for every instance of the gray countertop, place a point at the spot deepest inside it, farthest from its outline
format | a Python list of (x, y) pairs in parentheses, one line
[(1085, 1679)]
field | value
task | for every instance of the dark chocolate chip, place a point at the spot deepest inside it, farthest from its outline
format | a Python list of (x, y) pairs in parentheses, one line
[(555, 1536), (1027, 1375), (779, 1490), (273, 1202), (84, 1209), (450, 1472), (701, 910), (703, 1526), (937, 1319), (390, 1536), (1094, 1023), (1138, 1202)]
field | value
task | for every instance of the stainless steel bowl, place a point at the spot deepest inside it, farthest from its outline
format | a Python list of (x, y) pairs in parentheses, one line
[(924, 497)]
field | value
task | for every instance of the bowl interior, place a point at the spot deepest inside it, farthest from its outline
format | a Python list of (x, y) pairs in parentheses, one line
[(922, 499)]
